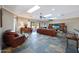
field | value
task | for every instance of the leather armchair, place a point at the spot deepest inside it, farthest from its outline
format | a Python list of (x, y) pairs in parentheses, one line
[(12, 39)]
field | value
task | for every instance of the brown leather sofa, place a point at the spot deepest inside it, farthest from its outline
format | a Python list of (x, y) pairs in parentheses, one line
[(12, 39), (49, 32), (26, 30)]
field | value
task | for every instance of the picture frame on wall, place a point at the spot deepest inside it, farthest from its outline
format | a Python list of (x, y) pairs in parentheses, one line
[(0, 17)]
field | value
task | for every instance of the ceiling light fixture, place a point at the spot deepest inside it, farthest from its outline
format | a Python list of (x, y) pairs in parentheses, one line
[(33, 9), (53, 9), (53, 18), (48, 15)]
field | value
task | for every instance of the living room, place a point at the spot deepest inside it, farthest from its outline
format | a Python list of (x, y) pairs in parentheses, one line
[(49, 29)]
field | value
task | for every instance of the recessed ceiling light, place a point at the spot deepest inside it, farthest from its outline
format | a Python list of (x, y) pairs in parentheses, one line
[(33, 9), (53, 9)]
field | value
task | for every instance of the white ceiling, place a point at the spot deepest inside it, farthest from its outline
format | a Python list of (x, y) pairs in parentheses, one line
[(61, 11)]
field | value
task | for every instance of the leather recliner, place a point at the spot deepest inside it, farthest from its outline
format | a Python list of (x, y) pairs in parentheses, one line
[(12, 39)]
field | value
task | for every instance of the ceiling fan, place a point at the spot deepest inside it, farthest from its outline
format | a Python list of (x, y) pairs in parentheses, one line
[(41, 16)]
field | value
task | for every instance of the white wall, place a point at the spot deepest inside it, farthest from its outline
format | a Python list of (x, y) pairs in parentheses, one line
[(72, 24), (8, 20), (20, 22)]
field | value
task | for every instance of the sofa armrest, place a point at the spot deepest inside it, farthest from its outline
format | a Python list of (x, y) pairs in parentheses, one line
[(21, 37)]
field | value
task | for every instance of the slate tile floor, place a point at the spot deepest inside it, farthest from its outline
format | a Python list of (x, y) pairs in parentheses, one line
[(38, 43)]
